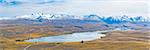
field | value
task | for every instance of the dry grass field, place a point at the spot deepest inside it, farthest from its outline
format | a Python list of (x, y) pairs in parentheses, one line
[(115, 40)]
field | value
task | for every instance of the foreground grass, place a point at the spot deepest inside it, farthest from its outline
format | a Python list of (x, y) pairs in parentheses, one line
[(103, 45)]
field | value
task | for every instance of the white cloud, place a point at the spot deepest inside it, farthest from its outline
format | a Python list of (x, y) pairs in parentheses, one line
[(81, 7)]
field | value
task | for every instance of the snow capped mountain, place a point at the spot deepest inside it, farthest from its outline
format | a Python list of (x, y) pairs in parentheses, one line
[(110, 20), (47, 16), (124, 18), (91, 17)]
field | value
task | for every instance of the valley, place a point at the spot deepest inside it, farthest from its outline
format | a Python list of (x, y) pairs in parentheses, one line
[(132, 36)]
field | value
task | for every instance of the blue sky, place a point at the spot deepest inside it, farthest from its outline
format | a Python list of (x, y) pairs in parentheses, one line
[(76, 7)]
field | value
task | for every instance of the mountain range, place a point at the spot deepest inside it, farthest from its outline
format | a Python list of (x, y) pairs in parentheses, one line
[(109, 20), (65, 22)]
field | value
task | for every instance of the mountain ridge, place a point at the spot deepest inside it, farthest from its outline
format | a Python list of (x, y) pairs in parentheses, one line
[(110, 20)]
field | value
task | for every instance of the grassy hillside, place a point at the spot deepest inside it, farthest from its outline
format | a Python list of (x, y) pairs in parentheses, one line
[(115, 40)]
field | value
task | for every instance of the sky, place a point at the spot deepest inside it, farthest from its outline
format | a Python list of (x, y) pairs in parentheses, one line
[(76, 7)]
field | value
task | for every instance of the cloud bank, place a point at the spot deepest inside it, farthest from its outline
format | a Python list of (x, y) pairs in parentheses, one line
[(9, 8)]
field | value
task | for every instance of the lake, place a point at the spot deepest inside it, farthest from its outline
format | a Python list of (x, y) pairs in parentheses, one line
[(74, 37)]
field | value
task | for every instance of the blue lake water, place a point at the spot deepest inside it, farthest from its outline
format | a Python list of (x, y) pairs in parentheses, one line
[(74, 37)]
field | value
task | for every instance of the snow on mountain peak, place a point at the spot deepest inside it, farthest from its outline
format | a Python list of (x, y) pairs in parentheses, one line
[(110, 19)]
